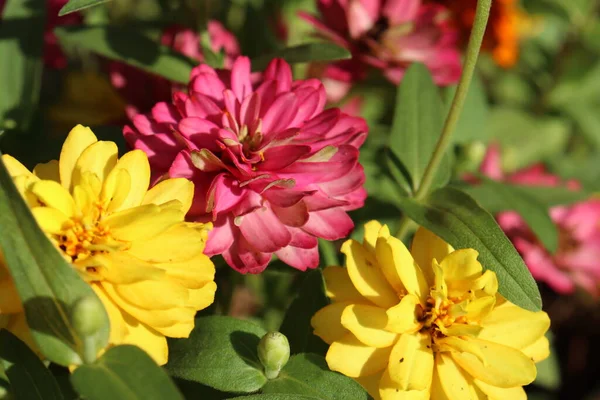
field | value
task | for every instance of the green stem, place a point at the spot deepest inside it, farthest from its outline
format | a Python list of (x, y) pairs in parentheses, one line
[(481, 17)]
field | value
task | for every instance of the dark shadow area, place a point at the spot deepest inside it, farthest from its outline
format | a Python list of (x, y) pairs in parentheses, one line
[(245, 345), (194, 391)]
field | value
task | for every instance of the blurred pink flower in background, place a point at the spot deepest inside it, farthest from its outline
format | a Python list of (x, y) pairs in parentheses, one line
[(388, 35), (273, 169), (53, 54), (142, 90), (575, 264)]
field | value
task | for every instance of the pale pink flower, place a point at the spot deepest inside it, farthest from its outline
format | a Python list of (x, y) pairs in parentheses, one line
[(273, 169), (388, 35), (142, 90), (575, 264)]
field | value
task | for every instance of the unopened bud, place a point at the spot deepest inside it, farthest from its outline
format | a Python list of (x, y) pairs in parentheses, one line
[(274, 353), (87, 316)]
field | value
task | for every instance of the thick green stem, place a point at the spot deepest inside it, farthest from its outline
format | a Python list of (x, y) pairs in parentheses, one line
[(481, 17)]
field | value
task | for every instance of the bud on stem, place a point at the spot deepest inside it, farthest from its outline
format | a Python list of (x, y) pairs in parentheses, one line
[(273, 353)]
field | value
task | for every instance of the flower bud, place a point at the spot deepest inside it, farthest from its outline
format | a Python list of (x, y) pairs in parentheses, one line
[(274, 353), (87, 316)]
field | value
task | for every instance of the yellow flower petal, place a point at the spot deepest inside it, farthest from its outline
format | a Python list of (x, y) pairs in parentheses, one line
[(118, 329), (368, 324), (147, 339), (142, 223), (367, 277), (450, 382), (372, 229), (50, 219), (115, 189), (403, 318), (48, 171), (202, 297), (427, 246), (99, 159), (154, 295), (503, 366), (539, 350), (391, 390), (171, 189), (480, 308), (387, 263), (339, 287), (407, 269), (371, 384), (515, 327), (352, 358), (76, 142), (14, 166), (461, 264), (52, 194), (136, 164), (496, 393), (118, 268), (411, 362), (178, 243), (327, 322)]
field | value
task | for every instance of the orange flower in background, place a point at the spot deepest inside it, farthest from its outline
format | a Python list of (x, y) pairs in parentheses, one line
[(504, 29)]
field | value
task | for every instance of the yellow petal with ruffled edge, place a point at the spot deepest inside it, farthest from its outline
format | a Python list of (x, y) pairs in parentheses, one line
[(50, 219), (427, 246), (14, 166), (327, 322), (480, 308), (371, 234), (407, 269), (411, 362), (48, 171), (352, 358), (147, 339), (115, 189), (98, 159), (339, 286), (461, 264), (513, 326), (142, 223), (53, 195), (450, 382), (193, 273), (368, 324), (183, 243), (79, 139), (154, 295), (136, 164), (366, 277), (539, 350), (501, 366), (117, 267), (496, 393), (386, 261), (202, 297), (390, 390), (171, 189), (403, 317)]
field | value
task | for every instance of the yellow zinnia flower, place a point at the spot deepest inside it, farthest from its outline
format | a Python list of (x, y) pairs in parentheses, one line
[(426, 324), (129, 243)]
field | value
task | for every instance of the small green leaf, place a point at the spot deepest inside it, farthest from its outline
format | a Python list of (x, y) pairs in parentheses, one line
[(303, 53), (78, 5), (21, 47), (296, 323), (530, 209), (221, 352), (47, 285), (308, 374), (29, 378), (126, 373), (129, 46), (459, 220), (418, 121)]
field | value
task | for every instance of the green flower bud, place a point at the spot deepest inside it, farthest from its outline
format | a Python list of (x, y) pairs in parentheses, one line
[(274, 353), (87, 316)]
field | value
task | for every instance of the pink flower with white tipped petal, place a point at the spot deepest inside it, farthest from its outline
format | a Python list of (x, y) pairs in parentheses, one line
[(575, 264), (141, 90), (273, 169), (388, 35)]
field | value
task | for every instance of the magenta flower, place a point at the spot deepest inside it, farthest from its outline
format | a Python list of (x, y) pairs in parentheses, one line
[(273, 169), (142, 90), (388, 35), (575, 264)]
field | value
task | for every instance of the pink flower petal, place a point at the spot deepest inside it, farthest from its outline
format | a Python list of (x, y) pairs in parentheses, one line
[(298, 258), (242, 257), (220, 237), (294, 216), (332, 224), (276, 158), (263, 230), (240, 78), (280, 114), (279, 71)]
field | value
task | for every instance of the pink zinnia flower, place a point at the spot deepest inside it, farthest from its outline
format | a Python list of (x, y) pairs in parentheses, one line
[(273, 169), (53, 54), (575, 264), (142, 90), (389, 35)]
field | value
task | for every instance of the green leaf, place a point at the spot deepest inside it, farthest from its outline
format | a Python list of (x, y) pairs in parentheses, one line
[(296, 323), (21, 65), (130, 46), (276, 396), (308, 374), (459, 220), (126, 373), (473, 119), (303, 53), (29, 378), (221, 352), (48, 286), (418, 121), (530, 209), (78, 5)]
